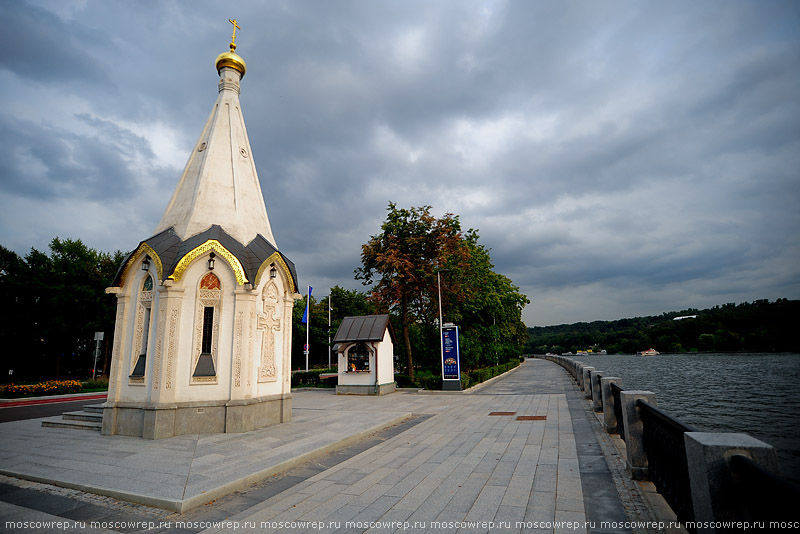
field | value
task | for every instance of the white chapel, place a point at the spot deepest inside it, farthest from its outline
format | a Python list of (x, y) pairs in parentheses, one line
[(204, 306)]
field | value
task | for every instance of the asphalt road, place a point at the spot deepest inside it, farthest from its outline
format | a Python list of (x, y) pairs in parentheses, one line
[(35, 411)]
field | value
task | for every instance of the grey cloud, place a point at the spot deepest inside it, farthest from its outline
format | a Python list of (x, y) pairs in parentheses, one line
[(642, 155)]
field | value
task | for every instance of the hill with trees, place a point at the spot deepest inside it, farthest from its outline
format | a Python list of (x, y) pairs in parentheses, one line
[(760, 326)]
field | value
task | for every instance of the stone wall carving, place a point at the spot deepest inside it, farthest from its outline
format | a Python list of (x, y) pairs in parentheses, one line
[(173, 327), (270, 325), (237, 358), (161, 327)]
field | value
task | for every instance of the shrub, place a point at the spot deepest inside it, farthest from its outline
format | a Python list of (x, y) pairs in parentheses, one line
[(404, 381), (311, 378), (98, 384), (466, 381), (482, 375), (434, 382)]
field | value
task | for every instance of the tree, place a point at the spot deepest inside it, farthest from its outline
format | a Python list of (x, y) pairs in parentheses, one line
[(403, 262), (348, 303), (52, 306), (488, 309), (344, 303)]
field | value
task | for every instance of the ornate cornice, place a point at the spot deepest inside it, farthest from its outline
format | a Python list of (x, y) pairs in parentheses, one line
[(212, 245), (144, 248), (277, 259)]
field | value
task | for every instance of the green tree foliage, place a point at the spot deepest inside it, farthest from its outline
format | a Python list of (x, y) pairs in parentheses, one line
[(760, 326), (401, 264), (344, 303), (52, 304)]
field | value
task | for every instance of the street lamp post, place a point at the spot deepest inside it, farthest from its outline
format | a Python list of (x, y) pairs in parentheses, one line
[(441, 341), (439, 288)]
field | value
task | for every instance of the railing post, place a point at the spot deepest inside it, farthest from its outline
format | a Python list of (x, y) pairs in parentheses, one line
[(636, 462), (707, 454), (609, 417), (586, 382), (597, 398)]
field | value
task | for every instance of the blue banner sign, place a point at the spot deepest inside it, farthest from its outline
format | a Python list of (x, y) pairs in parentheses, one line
[(451, 364)]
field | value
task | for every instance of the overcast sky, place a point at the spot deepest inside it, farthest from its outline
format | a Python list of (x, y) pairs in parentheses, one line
[(618, 158)]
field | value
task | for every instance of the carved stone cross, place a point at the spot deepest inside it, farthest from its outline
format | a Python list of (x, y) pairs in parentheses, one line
[(269, 324)]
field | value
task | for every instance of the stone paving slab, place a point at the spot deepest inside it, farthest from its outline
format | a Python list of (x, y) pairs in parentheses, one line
[(455, 472), (185, 471)]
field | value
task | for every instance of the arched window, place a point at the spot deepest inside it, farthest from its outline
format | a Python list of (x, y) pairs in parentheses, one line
[(358, 358), (207, 329), (142, 336)]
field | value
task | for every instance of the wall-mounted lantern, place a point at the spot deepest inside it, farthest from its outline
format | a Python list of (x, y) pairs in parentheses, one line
[(211, 261), (273, 271), (146, 263)]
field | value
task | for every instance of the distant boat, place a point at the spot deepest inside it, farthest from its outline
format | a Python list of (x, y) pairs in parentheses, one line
[(648, 352)]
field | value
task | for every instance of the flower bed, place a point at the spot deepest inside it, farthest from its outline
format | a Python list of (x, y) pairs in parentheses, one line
[(51, 387)]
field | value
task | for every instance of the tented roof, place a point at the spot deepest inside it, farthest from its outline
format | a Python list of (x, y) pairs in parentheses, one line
[(219, 184)]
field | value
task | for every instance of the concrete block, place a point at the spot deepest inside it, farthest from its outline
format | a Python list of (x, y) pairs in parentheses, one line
[(579, 374), (239, 419), (707, 454), (199, 420), (158, 423), (597, 398), (586, 381), (129, 421), (609, 415), (636, 461)]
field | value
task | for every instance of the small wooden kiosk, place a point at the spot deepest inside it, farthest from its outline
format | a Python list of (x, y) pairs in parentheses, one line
[(365, 354)]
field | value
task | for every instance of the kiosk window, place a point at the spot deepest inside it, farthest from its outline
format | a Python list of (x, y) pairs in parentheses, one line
[(358, 358)]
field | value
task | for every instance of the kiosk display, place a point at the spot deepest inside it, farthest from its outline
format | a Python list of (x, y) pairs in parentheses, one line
[(451, 363)]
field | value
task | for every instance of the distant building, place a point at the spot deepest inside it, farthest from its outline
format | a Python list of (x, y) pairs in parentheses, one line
[(684, 317)]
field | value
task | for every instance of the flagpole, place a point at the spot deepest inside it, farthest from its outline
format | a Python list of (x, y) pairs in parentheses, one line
[(308, 325)]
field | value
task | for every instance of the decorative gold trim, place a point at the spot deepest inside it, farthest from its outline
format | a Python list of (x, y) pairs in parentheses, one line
[(277, 259), (144, 248), (212, 245)]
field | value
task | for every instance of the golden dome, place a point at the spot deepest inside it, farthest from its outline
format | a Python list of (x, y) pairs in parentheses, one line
[(231, 59)]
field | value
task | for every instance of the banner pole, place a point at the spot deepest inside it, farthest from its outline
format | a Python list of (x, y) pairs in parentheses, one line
[(308, 325)]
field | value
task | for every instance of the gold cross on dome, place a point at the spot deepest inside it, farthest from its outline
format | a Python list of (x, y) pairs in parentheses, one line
[(235, 27)]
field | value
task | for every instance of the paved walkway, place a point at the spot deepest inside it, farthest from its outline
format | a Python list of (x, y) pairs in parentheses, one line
[(515, 456)]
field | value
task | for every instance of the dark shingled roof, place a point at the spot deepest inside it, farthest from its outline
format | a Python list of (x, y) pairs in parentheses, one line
[(171, 250), (363, 328)]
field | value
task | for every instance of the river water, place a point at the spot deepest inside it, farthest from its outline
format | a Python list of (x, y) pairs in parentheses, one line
[(758, 394)]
